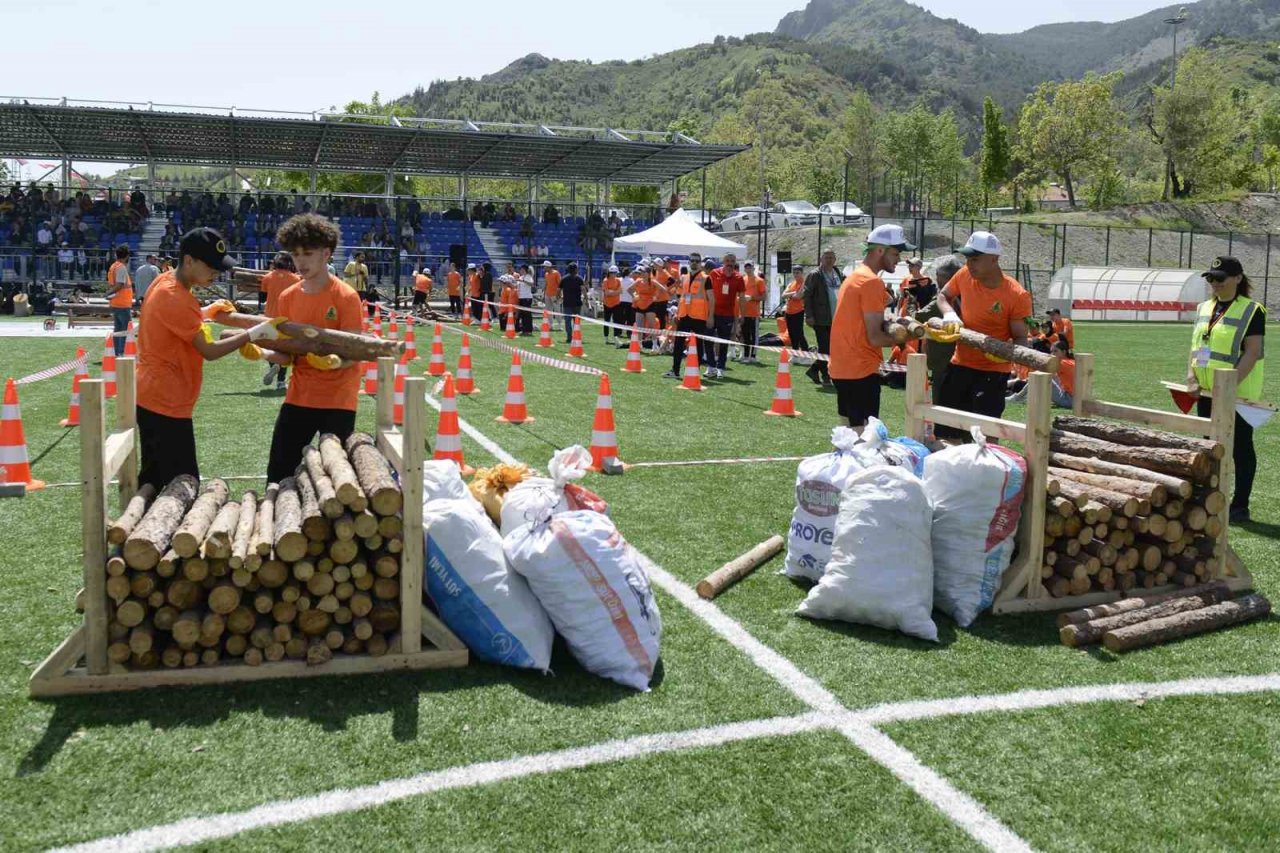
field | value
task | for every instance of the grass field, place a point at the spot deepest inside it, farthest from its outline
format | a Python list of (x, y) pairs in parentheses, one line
[(1195, 772)]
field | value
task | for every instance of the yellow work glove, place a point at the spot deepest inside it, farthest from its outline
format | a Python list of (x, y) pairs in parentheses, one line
[(992, 357), (251, 352), (222, 306), (948, 334), (324, 362), (207, 331)]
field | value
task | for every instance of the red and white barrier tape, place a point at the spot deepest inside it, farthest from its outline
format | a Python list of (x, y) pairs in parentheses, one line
[(743, 461), (525, 355), (50, 372)]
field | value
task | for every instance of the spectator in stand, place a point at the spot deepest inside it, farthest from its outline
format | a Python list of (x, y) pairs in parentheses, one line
[(142, 279), (66, 262), (508, 213), (551, 216), (356, 274), (615, 224), (120, 296), (727, 285), (571, 287), (820, 290), (749, 307)]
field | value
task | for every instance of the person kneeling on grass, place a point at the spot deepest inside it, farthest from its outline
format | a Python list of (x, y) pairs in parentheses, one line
[(1062, 387), (322, 391)]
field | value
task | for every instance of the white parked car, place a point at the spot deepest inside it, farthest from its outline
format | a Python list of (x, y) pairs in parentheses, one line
[(746, 219), (705, 218), (787, 214), (842, 213)]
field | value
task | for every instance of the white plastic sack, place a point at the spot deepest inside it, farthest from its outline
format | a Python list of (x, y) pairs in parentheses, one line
[(441, 480), (976, 490), (906, 452), (881, 567), (539, 498), (487, 605), (596, 591), (819, 481)]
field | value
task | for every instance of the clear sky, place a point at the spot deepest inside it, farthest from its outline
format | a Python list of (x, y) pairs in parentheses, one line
[(292, 55)]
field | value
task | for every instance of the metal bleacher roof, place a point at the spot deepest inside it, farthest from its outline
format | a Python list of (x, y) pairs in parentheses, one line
[(335, 142)]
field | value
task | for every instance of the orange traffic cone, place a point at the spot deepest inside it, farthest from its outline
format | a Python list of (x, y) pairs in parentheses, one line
[(466, 312), (485, 325), (14, 467), (511, 325), (371, 378), (377, 318), (575, 343), (130, 342), (782, 403), (73, 411), (634, 364), (465, 384), (109, 368), (514, 410), (402, 373), (544, 335), (692, 380), (448, 435), (410, 345), (604, 438), (436, 366)]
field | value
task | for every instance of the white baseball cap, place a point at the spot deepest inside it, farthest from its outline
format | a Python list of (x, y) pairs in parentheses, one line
[(612, 268), (546, 263), (981, 243), (471, 266), (889, 235)]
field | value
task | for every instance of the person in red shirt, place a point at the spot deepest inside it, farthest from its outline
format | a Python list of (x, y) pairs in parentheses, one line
[(727, 285), (282, 276), (322, 392)]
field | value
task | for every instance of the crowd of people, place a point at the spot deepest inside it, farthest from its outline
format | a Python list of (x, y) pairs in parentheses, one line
[(70, 236)]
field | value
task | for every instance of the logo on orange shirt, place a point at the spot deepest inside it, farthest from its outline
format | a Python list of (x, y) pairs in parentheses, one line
[(331, 314), (995, 307)]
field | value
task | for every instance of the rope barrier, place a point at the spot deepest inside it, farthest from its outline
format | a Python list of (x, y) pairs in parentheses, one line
[(50, 372), (525, 355)]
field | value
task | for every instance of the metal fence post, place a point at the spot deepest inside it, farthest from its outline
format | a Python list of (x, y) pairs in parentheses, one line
[(1064, 245), (1150, 234), (1230, 242), (1053, 256), (1191, 243), (1107, 252), (1017, 257), (1266, 271)]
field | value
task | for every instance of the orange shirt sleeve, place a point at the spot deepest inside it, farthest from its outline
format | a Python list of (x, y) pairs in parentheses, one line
[(170, 369)]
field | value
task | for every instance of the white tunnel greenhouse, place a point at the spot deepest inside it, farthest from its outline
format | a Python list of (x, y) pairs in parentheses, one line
[(1127, 293)]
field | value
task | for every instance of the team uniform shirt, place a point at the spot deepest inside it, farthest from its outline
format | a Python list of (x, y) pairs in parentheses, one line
[(275, 283), (853, 356), (356, 275), (335, 307), (726, 288), (644, 293), (661, 291), (553, 284), (422, 283), (119, 274), (611, 288), (1067, 375), (899, 353), (170, 369), (753, 285), (473, 285), (991, 311), (455, 283), (1064, 327), (794, 294)]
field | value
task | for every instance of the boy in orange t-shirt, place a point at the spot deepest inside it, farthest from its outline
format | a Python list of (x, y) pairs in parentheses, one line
[(282, 276), (120, 297), (322, 392), (421, 290), (454, 280), (174, 342)]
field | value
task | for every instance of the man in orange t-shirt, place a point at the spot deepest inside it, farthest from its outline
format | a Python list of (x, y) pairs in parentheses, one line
[(858, 338), (454, 280), (793, 313), (120, 296), (1062, 328), (551, 294), (749, 305), (994, 304), (282, 276), (174, 342), (611, 298), (421, 290), (322, 392), (473, 290)]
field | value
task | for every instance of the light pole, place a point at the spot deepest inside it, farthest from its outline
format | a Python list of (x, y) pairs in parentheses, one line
[(1175, 21)]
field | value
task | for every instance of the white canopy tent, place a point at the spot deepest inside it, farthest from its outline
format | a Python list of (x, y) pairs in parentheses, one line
[(1127, 293), (678, 234)]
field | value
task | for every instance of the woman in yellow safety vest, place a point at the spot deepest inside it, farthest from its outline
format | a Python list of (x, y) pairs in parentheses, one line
[(1228, 334)]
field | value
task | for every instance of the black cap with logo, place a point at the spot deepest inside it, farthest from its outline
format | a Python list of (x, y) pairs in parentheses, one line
[(208, 246), (1223, 267)]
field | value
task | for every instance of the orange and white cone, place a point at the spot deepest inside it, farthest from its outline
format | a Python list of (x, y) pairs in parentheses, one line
[(604, 437), (410, 345), (130, 342), (485, 325), (14, 467), (511, 325), (575, 343), (371, 378), (73, 410), (692, 380), (394, 332), (377, 318), (466, 311), (634, 365), (514, 410), (436, 366), (783, 404), (465, 384), (448, 434), (402, 373), (109, 368), (544, 335)]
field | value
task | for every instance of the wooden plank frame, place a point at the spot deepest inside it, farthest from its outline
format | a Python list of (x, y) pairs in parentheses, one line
[(79, 664)]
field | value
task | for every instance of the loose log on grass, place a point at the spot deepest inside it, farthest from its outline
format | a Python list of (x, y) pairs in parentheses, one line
[(374, 472), (326, 494), (151, 538), (1173, 485), (1136, 436), (739, 567), (1189, 464), (134, 511), (1085, 633), (290, 543), (190, 535), (243, 538), (1187, 624), (217, 542)]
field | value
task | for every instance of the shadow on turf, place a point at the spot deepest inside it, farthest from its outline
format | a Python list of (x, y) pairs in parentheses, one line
[(329, 702), (52, 446)]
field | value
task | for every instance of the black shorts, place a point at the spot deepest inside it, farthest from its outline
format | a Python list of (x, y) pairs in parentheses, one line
[(858, 399), (168, 448), (979, 391), (419, 298), (295, 427)]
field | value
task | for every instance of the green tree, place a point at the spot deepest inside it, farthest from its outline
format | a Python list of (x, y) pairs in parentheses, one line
[(1200, 125), (1070, 129), (994, 168)]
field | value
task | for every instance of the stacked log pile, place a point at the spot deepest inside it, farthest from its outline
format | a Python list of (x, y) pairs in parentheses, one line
[(1130, 508), (197, 575), (1132, 623)]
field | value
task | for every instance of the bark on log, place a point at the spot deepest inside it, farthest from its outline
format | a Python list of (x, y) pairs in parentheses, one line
[(243, 536), (1086, 633), (1087, 614), (1188, 464), (1136, 436), (1155, 493), (1082, 494), (190, 535), (264, 527), (315, 526), (1187, 624), (304, 338), (374, 472), (338, 467), (739, 567), (326, 494), (217, 542), (290, 543), (1061, 506), (1173, 485), (134, 512), (152, 536), (1006, 350)]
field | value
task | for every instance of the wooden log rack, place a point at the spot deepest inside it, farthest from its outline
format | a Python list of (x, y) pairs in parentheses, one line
[(1023, 589), (80, 663)]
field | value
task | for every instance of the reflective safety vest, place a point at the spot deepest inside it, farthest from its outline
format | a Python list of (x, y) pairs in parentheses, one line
[(1226, 344), (693, 298)]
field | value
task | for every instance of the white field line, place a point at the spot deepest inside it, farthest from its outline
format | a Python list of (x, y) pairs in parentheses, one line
[(202, 829)]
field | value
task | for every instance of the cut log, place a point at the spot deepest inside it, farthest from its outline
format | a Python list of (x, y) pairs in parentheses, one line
[(314, 622), (373, 543), (115, 561), (739, 567), (243, 538), (1006, 350), (241, 620), (264, 528), (236, 645), (1137, 436), (1187, 624), (304, 338), (217, 542), (344, 527), (142, 584), (1082, 494), (195, 569), (253, 656), (118, 531), (1173, 485), (118, 588), (1190, 464), (376, 646), (338, 467), (1054, 525), (190, 535), (1067, 547), (1196, 517), (151, 538), (186, 629), (273, 573), (1086, 633), (1214, 502), (361, 604), (1213, 527), (374, 473), (320, 584), (1153, 492), (384, 618), (314, 524), (1060, 506), (366, 524), (184, 594), (325, 492), (224, 598), (290, 542), (1106, 554), (390, 526)]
